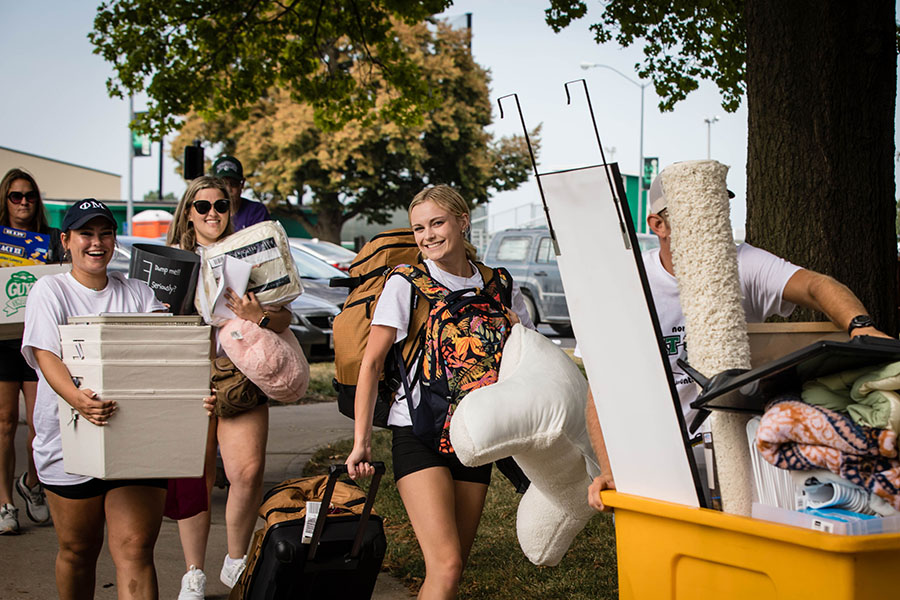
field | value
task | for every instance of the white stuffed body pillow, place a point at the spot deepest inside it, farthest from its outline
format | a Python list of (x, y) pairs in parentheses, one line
[(534, 413), (273, 361)]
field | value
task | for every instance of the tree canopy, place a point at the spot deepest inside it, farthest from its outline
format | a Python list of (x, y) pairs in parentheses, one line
[(214, 57), (684, 41), (371, 167), (820, 81)]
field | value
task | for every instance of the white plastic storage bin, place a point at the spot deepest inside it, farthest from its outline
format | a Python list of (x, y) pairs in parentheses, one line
[(157, 369)]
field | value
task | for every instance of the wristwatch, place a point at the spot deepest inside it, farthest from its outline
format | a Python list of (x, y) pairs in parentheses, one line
[(860, 321), (264, 320)]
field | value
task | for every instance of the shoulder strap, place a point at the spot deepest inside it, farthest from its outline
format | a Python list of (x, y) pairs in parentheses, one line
[(500, 278), (422, 282)]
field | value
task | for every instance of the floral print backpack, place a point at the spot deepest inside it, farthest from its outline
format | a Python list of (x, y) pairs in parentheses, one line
[(462, 344)]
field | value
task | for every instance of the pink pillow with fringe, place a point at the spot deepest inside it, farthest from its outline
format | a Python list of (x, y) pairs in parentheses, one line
[(273, 361)]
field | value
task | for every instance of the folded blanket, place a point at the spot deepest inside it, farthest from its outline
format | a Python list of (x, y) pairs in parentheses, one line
[(799, 436), (868, 395)]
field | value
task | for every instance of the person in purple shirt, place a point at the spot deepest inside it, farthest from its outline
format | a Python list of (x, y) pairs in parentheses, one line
[(244, 212)]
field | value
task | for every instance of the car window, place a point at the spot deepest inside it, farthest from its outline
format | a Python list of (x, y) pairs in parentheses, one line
[(513, 249), (331, 251), (310, 266), (545, 253), (121, 260)]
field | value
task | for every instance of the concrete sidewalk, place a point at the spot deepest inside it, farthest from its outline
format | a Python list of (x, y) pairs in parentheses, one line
[(295, 432)]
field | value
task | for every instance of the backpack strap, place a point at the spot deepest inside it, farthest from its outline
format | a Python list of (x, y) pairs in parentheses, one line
[(497, 281), (422, 282)]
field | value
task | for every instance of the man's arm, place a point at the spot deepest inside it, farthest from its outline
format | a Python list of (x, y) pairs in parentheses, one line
[(604, 481), (829, 296)]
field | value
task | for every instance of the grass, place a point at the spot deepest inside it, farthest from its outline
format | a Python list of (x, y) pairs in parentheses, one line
[(497, 568), (320, 388)]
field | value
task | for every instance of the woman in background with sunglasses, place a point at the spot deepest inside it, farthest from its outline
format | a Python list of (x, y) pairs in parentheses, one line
[(21, 207), (203, 218)]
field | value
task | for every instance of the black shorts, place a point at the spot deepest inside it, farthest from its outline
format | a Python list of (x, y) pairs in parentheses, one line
[(12, 364), (99, 487), (411, 454)]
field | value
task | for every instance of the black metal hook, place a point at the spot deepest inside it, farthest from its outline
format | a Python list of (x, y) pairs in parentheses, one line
[(612, 187), (533, 165)]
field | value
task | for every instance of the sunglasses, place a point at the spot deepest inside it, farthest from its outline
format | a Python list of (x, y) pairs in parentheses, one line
[(17, 197), (202, 206)]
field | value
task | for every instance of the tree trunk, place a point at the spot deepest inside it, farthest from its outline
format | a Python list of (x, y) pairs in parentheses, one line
[(821, 84), (329, 217)]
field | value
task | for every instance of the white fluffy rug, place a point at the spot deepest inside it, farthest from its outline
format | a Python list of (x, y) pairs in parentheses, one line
[(705, 261)]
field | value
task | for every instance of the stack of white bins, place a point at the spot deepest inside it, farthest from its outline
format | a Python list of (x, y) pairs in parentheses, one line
[(156, 368)]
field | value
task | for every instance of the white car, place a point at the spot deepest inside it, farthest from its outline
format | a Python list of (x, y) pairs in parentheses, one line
[(335, 255)]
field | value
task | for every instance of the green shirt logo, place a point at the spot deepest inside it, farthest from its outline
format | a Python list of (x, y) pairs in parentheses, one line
[(17, 289)]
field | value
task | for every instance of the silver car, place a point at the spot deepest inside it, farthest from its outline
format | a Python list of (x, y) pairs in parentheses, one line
[(528, 256)]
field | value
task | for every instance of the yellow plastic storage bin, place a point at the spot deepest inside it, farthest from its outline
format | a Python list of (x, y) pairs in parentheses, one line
[(673, 551)]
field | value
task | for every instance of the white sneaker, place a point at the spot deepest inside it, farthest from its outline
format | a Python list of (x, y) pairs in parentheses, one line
[(35, 500), (193, 585), (232, 569), (9, 520)]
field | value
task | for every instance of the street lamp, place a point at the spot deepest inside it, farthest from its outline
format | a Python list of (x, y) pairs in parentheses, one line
[(643, 86), (709, 122)]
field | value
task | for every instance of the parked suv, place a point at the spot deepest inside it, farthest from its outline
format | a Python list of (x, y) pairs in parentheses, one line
[(529, 257)]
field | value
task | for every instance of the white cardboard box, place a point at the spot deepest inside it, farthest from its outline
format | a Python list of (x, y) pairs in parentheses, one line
[(157, 369), (15, 283)]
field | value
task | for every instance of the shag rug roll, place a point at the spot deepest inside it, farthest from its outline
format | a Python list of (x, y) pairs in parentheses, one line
[(705, 261)]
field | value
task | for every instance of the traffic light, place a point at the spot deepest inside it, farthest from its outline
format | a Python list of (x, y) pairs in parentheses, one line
[(140, 142), (193, 161)]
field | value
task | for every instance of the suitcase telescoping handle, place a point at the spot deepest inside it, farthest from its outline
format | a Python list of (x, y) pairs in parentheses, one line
[(335, 471)]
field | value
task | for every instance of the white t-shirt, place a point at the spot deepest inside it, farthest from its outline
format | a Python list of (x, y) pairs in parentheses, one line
[(52, 300), (392, 310), (762, 276)]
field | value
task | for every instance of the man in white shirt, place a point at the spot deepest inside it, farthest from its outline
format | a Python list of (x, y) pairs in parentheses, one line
[(769, 285)]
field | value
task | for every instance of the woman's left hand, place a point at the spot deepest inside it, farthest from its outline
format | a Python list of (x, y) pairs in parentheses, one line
[(246, 307), (512, 316)]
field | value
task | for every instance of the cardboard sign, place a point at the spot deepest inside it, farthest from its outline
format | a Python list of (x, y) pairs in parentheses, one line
[(20, 248), (15, 283)]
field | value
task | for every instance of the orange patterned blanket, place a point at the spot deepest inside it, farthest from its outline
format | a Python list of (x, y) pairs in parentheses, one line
[(798, 436)]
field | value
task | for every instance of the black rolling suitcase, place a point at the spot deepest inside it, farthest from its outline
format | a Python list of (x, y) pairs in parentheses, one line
[(343, 558)]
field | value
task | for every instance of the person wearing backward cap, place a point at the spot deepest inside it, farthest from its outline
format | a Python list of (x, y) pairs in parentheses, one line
[(770, 286)]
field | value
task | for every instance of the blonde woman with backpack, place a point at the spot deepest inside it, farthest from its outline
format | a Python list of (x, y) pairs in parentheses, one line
[(443, 498)]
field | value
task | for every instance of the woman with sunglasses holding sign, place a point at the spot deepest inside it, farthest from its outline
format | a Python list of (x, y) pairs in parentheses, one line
[(203, 218), (21, 208)]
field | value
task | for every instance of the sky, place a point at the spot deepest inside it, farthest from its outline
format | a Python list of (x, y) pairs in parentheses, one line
[(56, 104)]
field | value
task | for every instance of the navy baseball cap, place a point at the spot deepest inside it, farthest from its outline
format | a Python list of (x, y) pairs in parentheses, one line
[(82, 212), (228, 166)]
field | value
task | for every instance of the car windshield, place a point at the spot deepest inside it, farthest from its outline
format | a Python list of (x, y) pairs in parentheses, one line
[(310, 266), (329, 250)]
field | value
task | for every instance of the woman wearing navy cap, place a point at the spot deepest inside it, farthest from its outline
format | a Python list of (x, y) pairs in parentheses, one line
[(80, 506)]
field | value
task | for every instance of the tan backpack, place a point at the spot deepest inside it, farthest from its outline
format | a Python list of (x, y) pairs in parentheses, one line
[(368, 274)]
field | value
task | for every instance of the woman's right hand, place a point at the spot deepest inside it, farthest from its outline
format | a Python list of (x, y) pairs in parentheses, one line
[(359, 462), (92, 408), (600, 483), (209, 403)]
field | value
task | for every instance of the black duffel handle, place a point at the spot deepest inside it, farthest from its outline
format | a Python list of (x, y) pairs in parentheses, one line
[(335, 471)]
